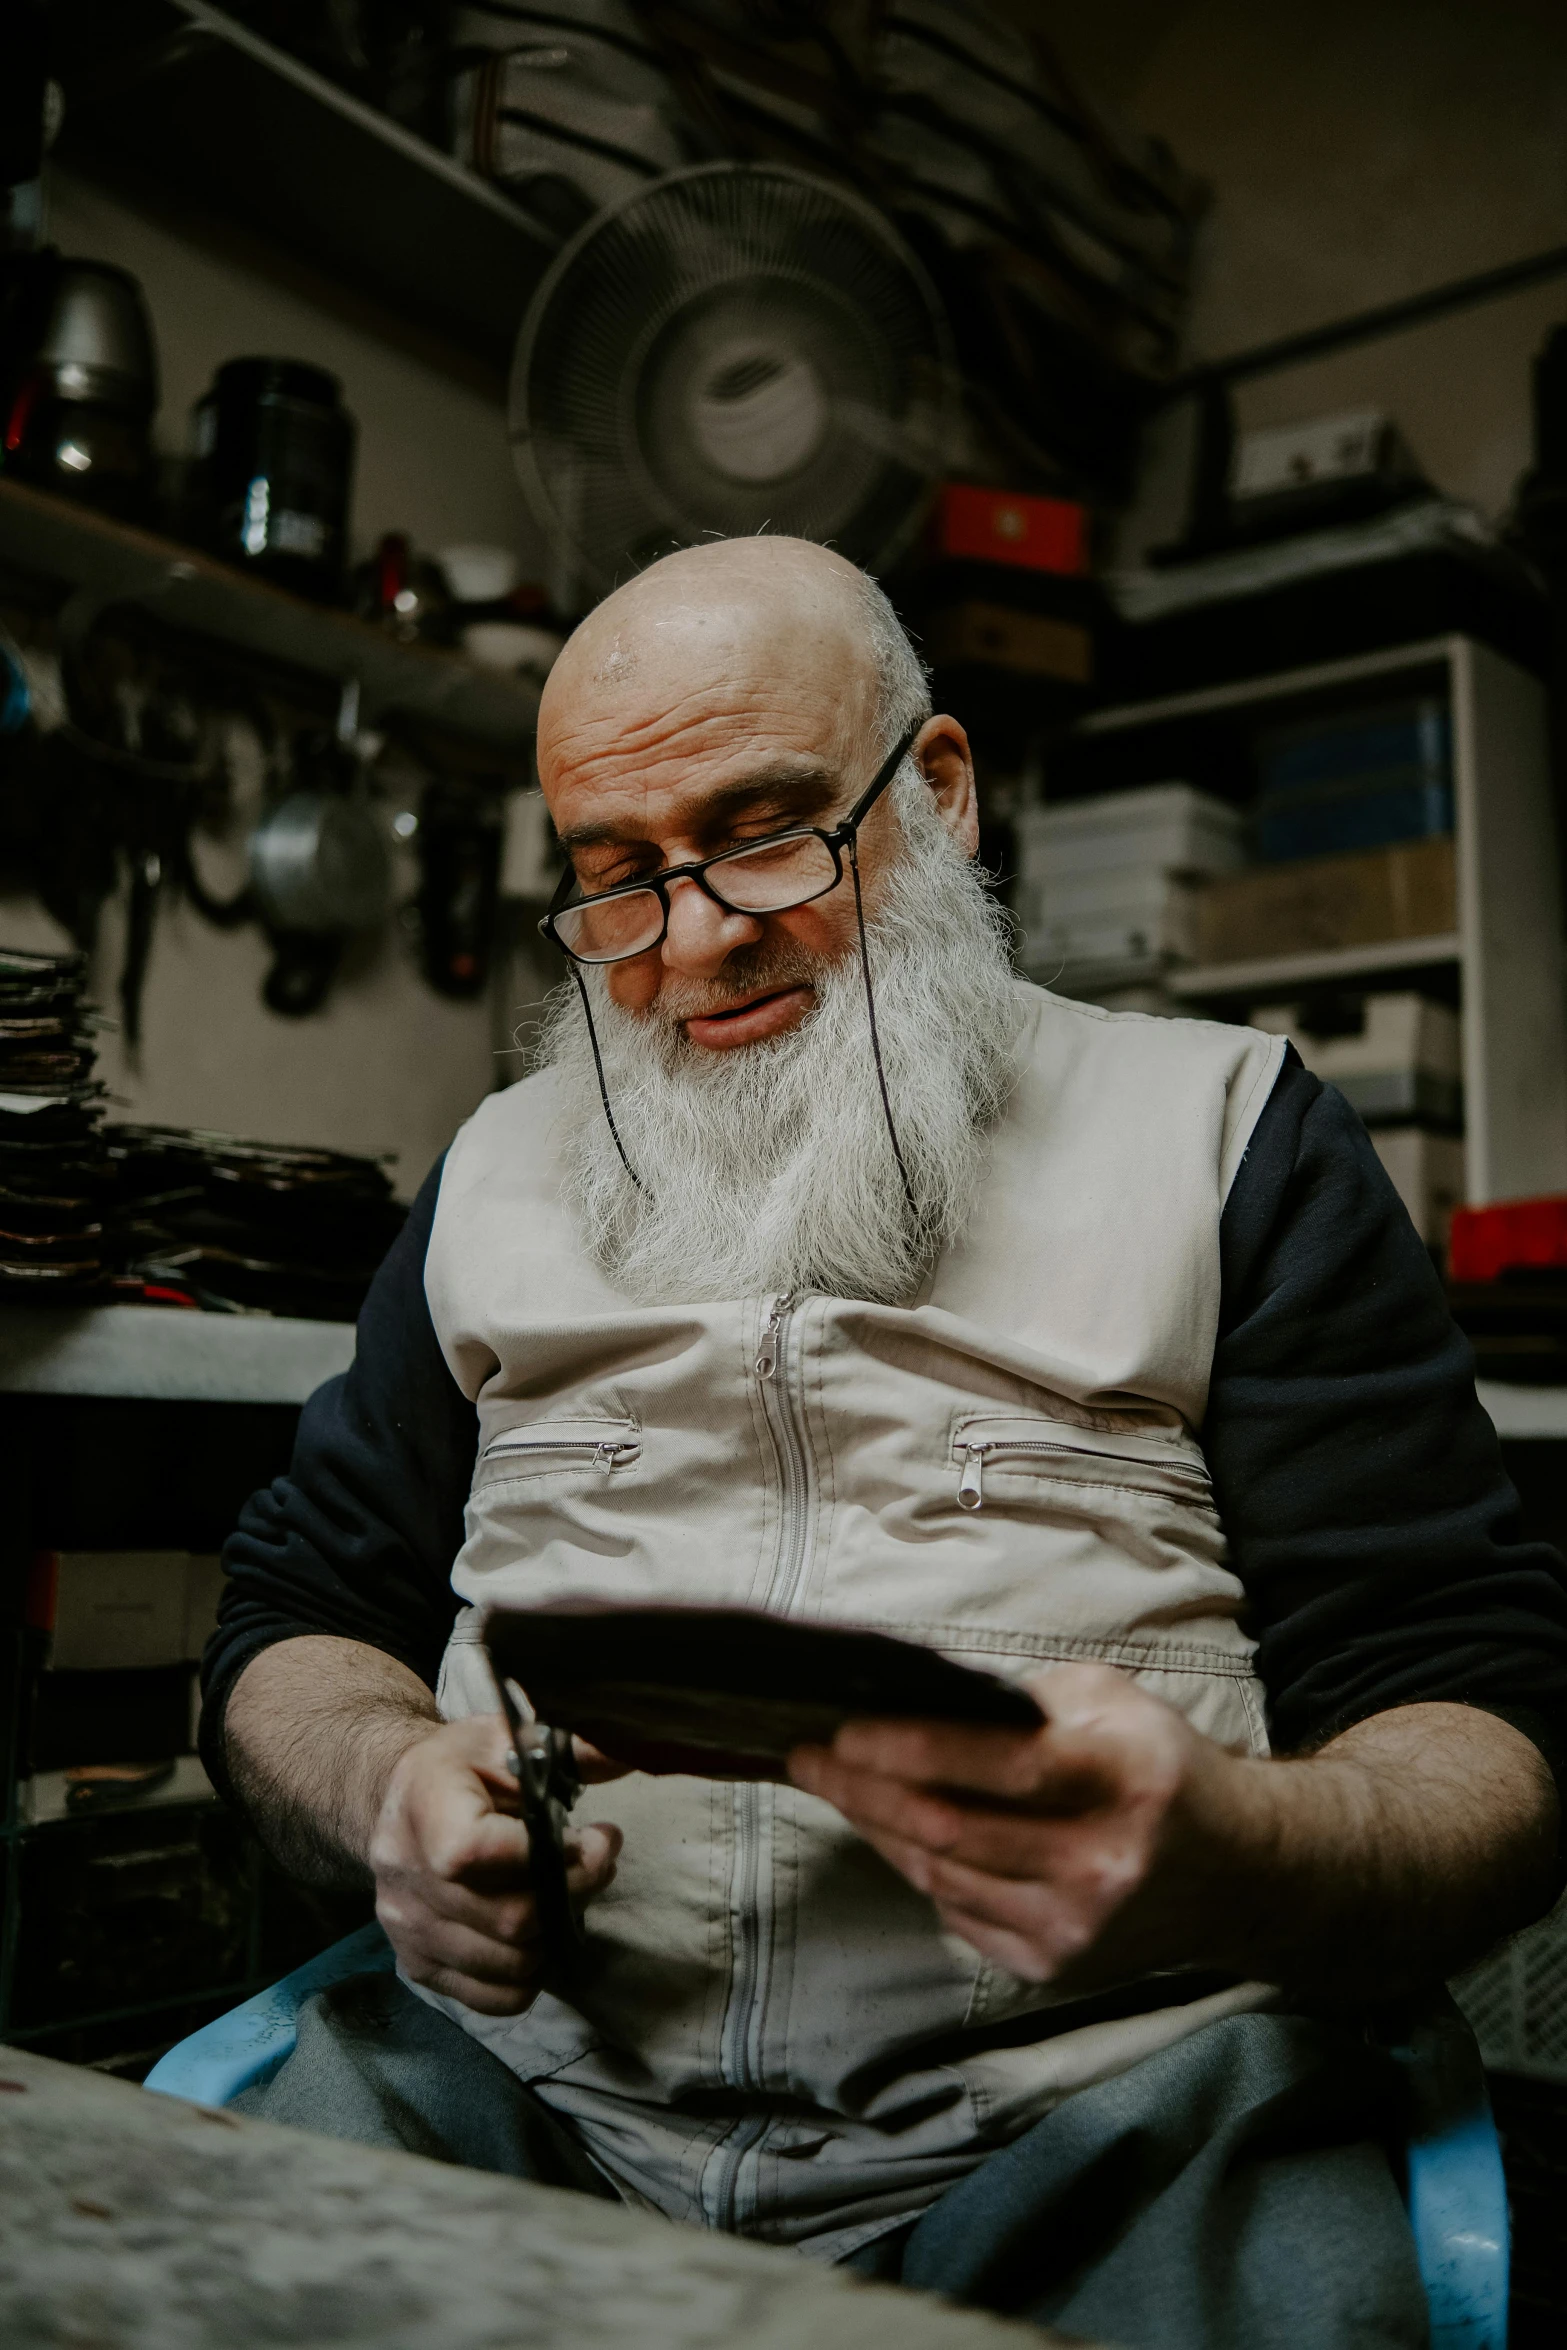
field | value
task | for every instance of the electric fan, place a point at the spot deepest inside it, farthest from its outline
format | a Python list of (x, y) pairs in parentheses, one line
[(737, 348)]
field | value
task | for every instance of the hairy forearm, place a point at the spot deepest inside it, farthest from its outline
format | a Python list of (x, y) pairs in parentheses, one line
[(313, 1730), (1396, 1856)]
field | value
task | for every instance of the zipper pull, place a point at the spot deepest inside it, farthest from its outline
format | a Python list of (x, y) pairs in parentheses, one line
[(772, 1334), (970, 1491)]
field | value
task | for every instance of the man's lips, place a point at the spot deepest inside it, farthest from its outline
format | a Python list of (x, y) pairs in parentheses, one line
[(767, 1013)]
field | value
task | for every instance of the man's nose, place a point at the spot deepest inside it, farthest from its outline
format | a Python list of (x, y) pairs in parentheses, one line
[(702, 934)]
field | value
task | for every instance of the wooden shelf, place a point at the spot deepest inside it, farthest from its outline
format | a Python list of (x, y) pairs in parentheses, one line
[(167, 1354), (1333, 963), (47, 538), (180, 93)]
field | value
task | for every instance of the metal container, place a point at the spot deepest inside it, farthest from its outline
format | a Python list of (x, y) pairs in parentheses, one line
[(273, 450), (320, 864), (78, 381)]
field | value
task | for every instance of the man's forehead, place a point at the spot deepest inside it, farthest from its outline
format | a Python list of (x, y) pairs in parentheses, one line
[(625, 798), (642, 736)]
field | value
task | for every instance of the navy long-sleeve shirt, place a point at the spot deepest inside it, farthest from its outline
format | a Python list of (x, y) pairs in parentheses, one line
[(1360, 1483)]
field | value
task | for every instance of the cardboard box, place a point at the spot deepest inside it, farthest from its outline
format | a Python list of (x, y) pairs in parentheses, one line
[(1326, 903), (992, 636), (1427, 1172), (124, 1610)]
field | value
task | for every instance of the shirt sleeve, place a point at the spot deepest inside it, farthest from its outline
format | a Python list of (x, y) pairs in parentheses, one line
[(1369, 1516), (359, 1538)]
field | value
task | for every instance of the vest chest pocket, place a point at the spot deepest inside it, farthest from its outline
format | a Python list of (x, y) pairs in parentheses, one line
[(586, 1450), (1011, 1445)]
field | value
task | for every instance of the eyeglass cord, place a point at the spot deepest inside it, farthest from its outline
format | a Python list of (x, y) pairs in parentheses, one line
[(870, 1006), (609, 1115)]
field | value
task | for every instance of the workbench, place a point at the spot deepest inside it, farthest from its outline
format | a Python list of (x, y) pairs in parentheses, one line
[(130, 2221)]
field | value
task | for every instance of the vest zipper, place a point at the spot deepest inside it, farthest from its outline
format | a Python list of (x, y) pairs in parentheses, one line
[(742, 2018), (753, 1887), (971, 1490), (608, 1452), (752, 1880), (742, 2140), (778, 1311)]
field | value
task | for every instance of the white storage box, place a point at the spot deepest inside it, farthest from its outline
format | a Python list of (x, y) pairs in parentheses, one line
[(1162, 828), (1427, 1172), (1108, 882), (1115, 917), (1405, 1062)]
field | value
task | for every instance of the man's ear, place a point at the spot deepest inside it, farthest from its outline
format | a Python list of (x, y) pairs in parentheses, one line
[(941, 750)]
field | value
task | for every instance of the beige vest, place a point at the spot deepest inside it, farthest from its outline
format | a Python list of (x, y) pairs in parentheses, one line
[(773, 2033)]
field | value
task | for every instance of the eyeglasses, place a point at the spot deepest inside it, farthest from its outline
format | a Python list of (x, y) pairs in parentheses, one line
[(768, 876)]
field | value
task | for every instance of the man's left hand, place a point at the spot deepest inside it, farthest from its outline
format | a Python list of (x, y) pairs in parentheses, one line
[(1117, 1840), (1041, 1847)]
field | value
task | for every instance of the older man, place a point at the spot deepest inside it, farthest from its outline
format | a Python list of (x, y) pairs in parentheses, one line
[(831, 1270)]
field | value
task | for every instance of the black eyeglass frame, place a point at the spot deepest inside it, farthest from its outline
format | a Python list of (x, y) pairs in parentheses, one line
[(841, 841)]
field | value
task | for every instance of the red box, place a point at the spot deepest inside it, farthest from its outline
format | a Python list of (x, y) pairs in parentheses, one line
[(1510, 1237), (1003, 526)]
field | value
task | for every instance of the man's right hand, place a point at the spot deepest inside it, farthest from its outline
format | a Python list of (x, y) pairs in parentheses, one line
[(450, 1858)]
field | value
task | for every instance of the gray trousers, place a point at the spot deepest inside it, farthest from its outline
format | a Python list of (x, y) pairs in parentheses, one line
[(1235, 2192)]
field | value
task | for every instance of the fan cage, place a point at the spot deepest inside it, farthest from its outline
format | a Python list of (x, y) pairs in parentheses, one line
[(725, 237)]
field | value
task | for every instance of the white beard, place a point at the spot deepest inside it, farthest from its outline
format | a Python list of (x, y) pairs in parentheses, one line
[(768, 1168)]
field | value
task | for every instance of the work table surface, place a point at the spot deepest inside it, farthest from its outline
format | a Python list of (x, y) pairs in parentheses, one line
[(130, 2221)]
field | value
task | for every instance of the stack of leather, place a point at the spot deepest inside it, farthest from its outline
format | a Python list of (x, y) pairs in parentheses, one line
[(213, 1221), (52, 1162)]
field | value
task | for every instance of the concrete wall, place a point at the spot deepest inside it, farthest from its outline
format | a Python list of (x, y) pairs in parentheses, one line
[(386, 1065), (1361, 151)]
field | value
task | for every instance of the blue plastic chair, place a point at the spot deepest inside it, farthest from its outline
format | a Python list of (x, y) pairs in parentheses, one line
[(1455, 2190), (1456, 2194), (243, 2049)]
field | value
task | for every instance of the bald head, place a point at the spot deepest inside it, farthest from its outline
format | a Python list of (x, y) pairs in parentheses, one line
[(726, 626)]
